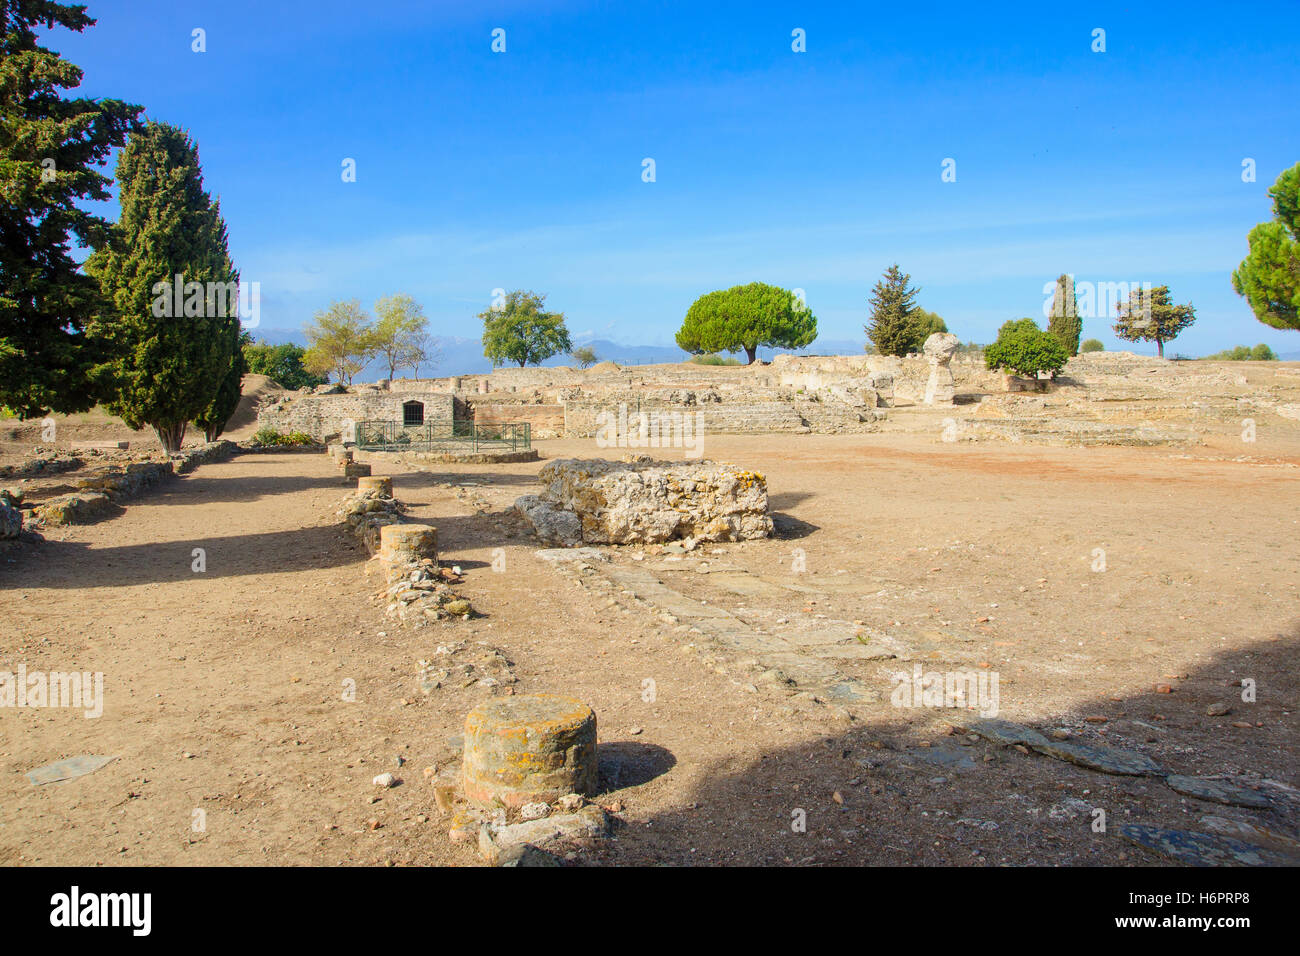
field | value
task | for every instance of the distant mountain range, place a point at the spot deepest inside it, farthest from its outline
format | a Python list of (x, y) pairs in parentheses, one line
[(460, 356)]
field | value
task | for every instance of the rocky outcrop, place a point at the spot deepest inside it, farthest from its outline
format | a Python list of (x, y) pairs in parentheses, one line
[(639, 500)]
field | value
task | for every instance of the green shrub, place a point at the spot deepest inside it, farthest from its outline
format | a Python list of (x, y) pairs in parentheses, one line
[(1092, 345), (1025, 349), (269, 437), (1244, 353), (713, 358)]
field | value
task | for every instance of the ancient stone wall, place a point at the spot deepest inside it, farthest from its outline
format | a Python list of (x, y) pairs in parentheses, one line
[(322, 415)]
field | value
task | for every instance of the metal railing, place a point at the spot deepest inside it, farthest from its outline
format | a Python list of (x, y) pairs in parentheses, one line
[(456, 435)]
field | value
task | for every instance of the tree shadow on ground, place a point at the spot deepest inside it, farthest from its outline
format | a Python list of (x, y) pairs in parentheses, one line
[(242, 488), (78, 566), (903, 788)]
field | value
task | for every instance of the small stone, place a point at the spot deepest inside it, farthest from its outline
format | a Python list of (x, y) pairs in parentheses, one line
[(838, 797), (1164, 689), (570, 802), (635, 731), (1218, 710), (385, 780), (533, 811)]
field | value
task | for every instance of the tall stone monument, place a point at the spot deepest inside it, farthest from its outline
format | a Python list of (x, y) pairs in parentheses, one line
[(939, 350)]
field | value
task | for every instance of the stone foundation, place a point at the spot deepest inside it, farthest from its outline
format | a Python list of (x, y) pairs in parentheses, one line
[(595, 501)]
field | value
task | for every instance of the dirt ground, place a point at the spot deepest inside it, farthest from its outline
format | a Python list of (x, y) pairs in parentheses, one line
[(225, 689)]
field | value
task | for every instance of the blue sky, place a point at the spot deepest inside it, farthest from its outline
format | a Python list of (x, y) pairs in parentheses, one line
[(816, 170)]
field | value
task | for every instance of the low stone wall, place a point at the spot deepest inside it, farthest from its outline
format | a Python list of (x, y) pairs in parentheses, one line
[(322, 416), (547, 420), (97, 495)]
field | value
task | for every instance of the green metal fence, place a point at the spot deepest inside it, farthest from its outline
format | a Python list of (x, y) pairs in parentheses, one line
[(453, 436)]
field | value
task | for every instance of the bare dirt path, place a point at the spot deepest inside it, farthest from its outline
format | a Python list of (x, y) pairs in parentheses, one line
[(225, 688)]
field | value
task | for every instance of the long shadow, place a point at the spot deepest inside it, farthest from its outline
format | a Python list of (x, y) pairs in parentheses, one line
[(75, 565), (430, 479), (239, 488), (788, 499), (897, 790)]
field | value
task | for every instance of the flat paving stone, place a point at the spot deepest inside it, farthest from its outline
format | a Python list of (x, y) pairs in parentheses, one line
[(1201, 849), (68, 769), (1218, 791), (998, 731), (1105, 759)]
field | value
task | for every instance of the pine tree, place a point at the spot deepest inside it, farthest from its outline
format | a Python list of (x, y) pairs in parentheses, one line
[(49, 148), (1065, 322), (893, 305), (1269, 277), (747, 317), (174, 314)]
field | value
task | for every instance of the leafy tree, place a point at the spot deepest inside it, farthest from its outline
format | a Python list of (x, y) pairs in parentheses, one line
[(1262, 353), (585, 356), (172, 318), (1092, 345), (926, 324), (522, 331), (1025, 349), (281, 363), (1151, 316), (1269, 276), (1065, 322), (747, 317), (400, 336), (893, 329), (341, 341), (49, 148)]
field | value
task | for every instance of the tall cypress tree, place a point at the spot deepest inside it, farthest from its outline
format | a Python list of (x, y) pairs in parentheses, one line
[(49, 148), (893, 307), (1064, 322), (174, 315)]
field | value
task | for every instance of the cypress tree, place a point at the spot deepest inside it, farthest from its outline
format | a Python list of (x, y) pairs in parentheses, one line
[(49, 148), (893, 306), (213, 418), (1064, 322), (174, 314)]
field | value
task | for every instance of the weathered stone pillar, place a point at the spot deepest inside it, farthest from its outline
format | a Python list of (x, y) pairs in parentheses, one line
[(382, 484), (939, 350), (355, 469), (533, 748), (402, 544)]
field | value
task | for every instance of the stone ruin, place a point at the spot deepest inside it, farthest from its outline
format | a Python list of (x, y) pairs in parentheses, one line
[(416, 589), (939, 350), (1099, 398), (528, 765), (643, 501)]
